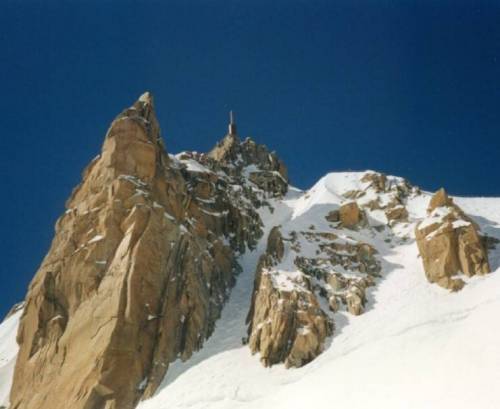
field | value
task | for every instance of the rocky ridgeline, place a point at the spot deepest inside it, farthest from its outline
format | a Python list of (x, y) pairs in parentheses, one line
[(140, 266), (377, 192), (307, 275), (286, 322), (146, 253), (248, 161), (450, 244)]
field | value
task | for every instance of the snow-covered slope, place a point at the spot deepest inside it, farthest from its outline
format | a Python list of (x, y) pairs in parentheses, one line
[(416, 346), (8, 352)]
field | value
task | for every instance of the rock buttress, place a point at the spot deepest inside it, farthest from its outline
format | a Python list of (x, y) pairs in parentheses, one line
[(285, 324), (135, 278)]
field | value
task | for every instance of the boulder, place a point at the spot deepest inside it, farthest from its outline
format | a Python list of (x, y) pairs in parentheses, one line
[(350, 215), (397, 213), (355, 303), (439, 199), (449, 243)]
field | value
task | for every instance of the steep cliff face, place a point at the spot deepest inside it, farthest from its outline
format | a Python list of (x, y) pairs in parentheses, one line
[(139, 268)]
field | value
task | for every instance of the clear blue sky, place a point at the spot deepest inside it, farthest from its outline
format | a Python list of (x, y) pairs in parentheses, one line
[(408, 88)]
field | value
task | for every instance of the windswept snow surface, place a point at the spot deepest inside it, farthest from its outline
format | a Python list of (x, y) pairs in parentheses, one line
[(416, 346), (8, 353)]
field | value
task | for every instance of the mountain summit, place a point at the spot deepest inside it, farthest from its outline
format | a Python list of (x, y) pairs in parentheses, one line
[(168, 265)]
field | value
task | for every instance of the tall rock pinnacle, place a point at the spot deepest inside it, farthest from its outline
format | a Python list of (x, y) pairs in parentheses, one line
[(135, 278)]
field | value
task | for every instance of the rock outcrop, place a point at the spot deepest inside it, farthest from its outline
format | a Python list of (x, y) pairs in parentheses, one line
[(249, 160), (329, 267), (384, 194), (140, 266), (449, 244), (286, 321), (348, 215)]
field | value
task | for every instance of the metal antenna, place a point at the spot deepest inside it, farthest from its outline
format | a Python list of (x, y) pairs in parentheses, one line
[(232, 125)]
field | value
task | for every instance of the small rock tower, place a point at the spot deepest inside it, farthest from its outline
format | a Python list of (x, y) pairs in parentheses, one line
[(232, 125)]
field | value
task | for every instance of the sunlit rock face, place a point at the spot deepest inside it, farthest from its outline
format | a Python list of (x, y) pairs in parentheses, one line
[(247, 159), (286, 322), (449, 243), (141, 263)]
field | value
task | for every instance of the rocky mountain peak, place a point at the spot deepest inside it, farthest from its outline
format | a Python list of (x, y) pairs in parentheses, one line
[(133, 144), (250, 160), (143, 111), (146, 98), (140, 266), (439, 199), (146, 254), (227, 149)]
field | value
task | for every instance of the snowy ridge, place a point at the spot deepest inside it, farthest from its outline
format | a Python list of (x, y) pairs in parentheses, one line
[(416, 346)]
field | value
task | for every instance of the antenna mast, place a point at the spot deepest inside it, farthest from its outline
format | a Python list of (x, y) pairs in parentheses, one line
[(232, 125)]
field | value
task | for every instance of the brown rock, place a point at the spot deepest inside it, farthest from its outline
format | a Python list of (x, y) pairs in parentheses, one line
[(355, 303), (440, 199), (449, 243), (337, 282), (136, 275), (351, 255), (396, 191), (270, 181), (375, 180), (275, 246), (285, 324), (396, 213), (350, 214), (472, 254), (333, 303), (236, 157)]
